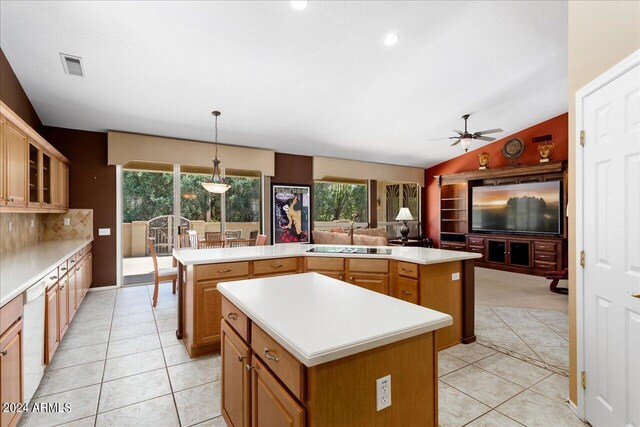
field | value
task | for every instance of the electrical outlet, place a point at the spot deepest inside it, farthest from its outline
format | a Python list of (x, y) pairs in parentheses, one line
[(455, 276), (67, 221), (383, 392), (10, 226), (33, 222)]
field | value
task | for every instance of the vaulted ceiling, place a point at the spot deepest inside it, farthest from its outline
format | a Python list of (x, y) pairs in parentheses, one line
[(318, 81)]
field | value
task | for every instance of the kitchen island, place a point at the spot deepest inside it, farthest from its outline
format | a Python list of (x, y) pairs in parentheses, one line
[(438, 279), (306, 349)]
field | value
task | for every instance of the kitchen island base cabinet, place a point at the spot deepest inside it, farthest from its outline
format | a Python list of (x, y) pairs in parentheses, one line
[(11, 370), (236, 391), (271, 403)]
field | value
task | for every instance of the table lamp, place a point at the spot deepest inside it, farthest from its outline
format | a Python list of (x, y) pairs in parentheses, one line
[(404, 215)]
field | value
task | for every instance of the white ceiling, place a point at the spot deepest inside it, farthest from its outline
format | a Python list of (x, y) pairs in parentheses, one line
[(317, 82)]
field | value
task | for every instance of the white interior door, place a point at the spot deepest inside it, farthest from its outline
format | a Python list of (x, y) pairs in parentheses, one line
[(611, 230)]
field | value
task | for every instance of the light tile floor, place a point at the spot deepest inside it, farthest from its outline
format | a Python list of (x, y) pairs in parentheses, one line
[(121, 365)]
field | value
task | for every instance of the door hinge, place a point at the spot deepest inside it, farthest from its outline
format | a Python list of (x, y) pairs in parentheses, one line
[(582, 138), (582, 258), (584, 380)]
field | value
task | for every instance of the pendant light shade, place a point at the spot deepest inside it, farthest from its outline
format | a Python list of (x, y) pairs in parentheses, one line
[(216, 184)]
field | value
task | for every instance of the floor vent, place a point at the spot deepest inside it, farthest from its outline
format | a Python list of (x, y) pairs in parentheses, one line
[(72, 64)]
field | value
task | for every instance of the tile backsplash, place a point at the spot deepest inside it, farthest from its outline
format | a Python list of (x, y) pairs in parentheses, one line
[(81, 225), (31, 228)]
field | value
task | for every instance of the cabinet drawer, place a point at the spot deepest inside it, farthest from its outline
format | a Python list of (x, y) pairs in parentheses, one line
[(220, 271), (544, 246), (545, 265), (286, 367), (407, 269), (10, 313), (545, 256), (477, 241), (369, 265), (317, 263), (275, 266), (63, 268), (453, 246), (51, 278), (236, 318), (408, 289)]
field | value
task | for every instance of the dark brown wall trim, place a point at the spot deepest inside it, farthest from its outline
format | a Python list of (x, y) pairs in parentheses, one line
[(92, 185), (12, 94)]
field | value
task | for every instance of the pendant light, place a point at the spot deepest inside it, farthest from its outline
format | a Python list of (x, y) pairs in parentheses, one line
[(216, 184)]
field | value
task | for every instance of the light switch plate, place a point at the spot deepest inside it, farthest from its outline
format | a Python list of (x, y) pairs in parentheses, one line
[(455, 276), (104, 232), (67, 221)]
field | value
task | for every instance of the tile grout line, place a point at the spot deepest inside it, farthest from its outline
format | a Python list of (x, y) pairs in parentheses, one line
[(104, 367)]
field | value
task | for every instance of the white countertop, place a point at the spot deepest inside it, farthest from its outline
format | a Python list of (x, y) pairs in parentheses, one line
[(400, 253), (319, 319), (22, 268)]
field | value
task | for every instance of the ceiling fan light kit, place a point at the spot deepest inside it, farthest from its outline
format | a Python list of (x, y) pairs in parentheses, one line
[(465, 138)]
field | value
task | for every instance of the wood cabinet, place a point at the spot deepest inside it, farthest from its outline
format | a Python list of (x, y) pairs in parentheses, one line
[(52, 336), (370, 274), (271, 404), (373, 282), (34, 176), (236, 387), (63, 306), (332, 267), (11, 369)]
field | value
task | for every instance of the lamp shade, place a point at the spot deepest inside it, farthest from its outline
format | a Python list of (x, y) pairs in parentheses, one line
[(404, 215)]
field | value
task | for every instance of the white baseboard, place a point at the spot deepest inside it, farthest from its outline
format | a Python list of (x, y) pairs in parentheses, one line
[(103, 288)]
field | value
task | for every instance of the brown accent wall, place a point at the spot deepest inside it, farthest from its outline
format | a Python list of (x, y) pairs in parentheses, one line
[(92, 185), (12, 94)]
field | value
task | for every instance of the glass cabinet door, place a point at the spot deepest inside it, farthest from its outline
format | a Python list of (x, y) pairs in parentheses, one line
[(497, 251), (34, 175), (46, 179)]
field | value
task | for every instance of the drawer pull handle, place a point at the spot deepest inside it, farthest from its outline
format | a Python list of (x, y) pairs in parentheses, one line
[(249, 367), (61, 287), (233, 316), (341, 277), (53, 277), (276, 265), (350, 277), (225, 271), (268, 355), (241, 358), (405, 269), (64, 269), (407, 292), (4, 352)]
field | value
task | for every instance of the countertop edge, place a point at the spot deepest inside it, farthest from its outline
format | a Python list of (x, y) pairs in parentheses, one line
[(25, 285), (311, 360), (463, 256)]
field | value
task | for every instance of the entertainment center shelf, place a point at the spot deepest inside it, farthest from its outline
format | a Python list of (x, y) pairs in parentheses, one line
[(533, 253)]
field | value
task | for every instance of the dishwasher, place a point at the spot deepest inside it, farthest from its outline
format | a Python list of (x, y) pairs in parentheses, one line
[(33, 338)]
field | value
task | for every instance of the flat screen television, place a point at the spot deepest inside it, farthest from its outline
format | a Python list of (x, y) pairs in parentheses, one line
[(528, 208)]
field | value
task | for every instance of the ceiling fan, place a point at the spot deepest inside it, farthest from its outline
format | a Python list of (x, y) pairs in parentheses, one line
[(466, 138)]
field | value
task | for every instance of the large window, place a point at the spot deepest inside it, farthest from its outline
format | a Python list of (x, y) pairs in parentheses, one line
[(339, 201)]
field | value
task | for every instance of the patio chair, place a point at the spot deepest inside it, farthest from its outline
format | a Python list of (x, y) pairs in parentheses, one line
[(209, 235), (240, 243), (261, 240), (161, 274), (210, 244)]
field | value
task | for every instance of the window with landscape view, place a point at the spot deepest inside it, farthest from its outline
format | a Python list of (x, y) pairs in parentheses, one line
[(335, 201)]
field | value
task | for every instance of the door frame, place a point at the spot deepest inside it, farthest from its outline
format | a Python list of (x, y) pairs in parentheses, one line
[(599, 82)]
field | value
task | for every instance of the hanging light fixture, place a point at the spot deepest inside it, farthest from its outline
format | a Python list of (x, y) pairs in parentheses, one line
[(216, 184)]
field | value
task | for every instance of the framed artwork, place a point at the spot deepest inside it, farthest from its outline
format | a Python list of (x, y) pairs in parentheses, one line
[(291, 210)]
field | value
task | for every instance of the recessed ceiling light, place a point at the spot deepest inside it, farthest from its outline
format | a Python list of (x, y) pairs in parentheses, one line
[(391, 39), (300, 4)]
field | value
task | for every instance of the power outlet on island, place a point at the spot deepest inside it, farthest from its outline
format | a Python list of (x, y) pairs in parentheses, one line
[(383, 392)]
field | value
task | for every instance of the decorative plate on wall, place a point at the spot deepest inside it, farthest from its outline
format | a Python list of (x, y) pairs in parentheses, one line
[(513, 149)]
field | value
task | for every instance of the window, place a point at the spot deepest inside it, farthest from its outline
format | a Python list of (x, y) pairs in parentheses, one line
[(339, 201), (242, 205)]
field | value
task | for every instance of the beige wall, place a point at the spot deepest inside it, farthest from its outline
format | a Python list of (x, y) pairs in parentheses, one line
[(327, 167), (601, 34)]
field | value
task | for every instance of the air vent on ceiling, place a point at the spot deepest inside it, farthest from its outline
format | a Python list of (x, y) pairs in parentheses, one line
[(72, 64)]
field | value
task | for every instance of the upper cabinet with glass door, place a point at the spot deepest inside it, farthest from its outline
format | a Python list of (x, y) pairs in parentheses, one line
[(34, 176)]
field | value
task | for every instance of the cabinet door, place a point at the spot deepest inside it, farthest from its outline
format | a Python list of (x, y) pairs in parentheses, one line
[(373, 282), (55, 182), (77, 289), (51, 320), (497, 251), (208, 313), (3, 158), (34, 174), (65, 186), (236, 384), (71, 286), (271, 403), (11, 372), (47, 165), (17, 150), (408, 289), (63, 306)]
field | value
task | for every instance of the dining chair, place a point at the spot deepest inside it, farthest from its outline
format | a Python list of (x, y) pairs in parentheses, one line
[(233, 234), (253, 234), (261, 240), (239, 243), (161, 274), (210, 235), (184, 241), (210, 244)]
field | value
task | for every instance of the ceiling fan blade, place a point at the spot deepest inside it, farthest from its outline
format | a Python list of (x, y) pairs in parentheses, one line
[(484, 138), (484, 132), (455, 143), (459, 131), (440, 139)]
